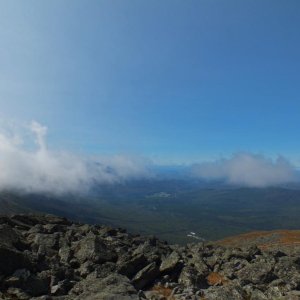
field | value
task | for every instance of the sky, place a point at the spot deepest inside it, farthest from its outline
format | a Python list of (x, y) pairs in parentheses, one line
[(178, 82)]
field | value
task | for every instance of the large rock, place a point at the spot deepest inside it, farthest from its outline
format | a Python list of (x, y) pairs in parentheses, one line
[(256, 273), (94, 249), (12, 245), (230, 268), (189, 277), (288, 270), (11, 260), (11, 238), (34, 285), (113, 287), (233, 291), (152, 249), (170, 263), (146, 276), (46, 244), (130, 265)]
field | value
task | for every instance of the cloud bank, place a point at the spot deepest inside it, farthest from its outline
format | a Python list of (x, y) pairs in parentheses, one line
[(42, 170), (247, 170), (27, 165)]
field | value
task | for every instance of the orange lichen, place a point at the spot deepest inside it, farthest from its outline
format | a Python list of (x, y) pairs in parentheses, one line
[(290, 237), (163, 291), (215, 278), (243, 238)]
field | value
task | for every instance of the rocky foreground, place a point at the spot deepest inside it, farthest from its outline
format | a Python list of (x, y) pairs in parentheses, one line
[(47, 257)]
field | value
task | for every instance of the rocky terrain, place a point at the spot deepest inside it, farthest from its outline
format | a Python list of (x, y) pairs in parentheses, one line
[(47, 257)]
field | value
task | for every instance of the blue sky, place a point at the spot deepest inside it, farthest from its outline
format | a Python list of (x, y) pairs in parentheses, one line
[(176, 81)]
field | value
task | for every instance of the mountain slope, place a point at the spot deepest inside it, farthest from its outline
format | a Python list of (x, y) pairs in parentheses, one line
[(285, 240), (54, 258), (171, 211)]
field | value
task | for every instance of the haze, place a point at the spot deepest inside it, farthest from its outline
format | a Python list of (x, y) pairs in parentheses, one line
[(124, 86)]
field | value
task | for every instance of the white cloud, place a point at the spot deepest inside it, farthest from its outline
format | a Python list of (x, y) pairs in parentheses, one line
[(42, 170), (248, 170), (39, 169), (40, 132)]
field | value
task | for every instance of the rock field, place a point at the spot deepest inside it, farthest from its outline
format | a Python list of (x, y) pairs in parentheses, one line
[(48, 257)]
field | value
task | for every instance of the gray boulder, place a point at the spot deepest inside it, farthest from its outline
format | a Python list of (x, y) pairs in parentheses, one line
[(170, 263), (146, 276), (232, 291), (257, 273), (130, 265), (93, 248), (113, 287)]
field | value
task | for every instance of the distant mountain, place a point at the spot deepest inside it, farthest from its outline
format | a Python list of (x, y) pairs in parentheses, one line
[(170, 209)]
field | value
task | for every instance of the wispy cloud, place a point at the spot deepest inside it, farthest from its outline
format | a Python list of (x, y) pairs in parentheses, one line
[(43, 170), (248, 170)]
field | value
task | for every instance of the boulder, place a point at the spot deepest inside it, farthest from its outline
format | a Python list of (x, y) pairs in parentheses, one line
[(94, 249), (170, 263), (146, 276), (189, 277), (288, 269), (256, 273), (113, 287), (11, 260), (231, 291), (130, 265)]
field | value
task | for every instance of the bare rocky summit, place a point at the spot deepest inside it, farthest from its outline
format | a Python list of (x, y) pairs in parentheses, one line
[(48, 257)]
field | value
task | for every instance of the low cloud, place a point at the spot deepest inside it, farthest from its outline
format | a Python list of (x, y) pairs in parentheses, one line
[(27, 164), (42, 170), (247, 170)]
